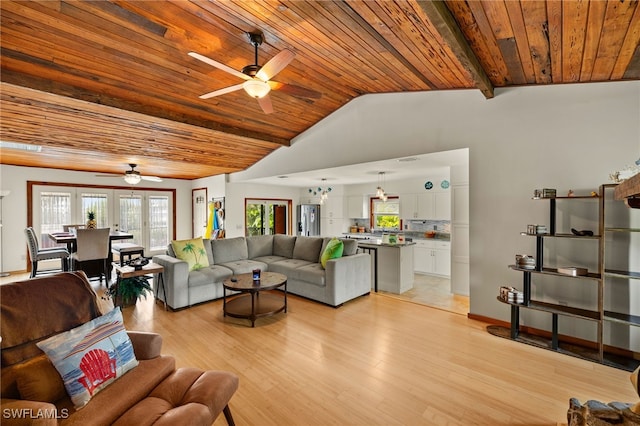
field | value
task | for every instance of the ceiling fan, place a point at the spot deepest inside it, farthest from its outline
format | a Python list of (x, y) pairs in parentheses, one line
[(133, 177), (257, 78)]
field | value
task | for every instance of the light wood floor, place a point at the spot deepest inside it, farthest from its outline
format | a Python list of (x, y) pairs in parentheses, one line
[(377, 360)]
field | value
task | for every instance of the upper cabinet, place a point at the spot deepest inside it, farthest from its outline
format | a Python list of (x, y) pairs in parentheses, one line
[(357, 207), (432, 205)]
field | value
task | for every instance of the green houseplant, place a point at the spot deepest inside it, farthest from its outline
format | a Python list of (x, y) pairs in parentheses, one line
[(127, 291)]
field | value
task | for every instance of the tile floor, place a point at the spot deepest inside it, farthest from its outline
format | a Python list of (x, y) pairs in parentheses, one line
[(434, 292)]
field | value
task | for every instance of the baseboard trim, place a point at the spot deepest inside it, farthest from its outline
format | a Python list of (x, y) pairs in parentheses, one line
[(588, 344)]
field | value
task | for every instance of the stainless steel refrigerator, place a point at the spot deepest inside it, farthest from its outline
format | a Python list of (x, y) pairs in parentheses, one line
[(308, 216)]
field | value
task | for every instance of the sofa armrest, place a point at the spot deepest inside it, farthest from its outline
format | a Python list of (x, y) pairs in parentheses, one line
[(18, 412), (145, 345), (176, 280), (347, 278)]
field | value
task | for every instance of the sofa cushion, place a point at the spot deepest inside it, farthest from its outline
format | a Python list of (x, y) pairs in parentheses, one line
[(350, 246), (307, 248), (229, 249), (269, 259), (191, 251), (260, 245), (91, 356), (245, 266), (38, 380), (211, 274), (287, 266), (312, 273), (283, 245), (333, 250)]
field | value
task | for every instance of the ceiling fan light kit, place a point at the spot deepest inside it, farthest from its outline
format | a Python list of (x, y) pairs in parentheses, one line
[(256, 88), (257, 78), (132, 177)]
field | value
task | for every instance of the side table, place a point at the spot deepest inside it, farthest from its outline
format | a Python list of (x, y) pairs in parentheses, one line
[(148, 269)]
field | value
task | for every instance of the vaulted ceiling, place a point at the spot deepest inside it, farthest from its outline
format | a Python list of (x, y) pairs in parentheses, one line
[(99, 84)]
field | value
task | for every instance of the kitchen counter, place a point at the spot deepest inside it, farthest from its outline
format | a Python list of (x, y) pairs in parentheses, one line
[(377, 243), (409, 236), (392, 265)]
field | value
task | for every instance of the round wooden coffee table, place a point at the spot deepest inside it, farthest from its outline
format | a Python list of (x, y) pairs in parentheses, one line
[(255, 300)]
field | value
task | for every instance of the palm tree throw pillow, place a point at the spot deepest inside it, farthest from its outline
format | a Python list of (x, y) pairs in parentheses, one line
[(191, 251)]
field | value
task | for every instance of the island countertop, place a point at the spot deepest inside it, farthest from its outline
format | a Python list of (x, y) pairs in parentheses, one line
[(374, 243)]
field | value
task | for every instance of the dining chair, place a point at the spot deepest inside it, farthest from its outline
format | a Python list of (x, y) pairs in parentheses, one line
[(36, 254), (92, 252)]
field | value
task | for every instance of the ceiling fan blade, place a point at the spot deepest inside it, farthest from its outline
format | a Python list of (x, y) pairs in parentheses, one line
[(275, 65), (221, 91), (151, 178), (219, 65), (265, 104), (298, 91), (109, 175)]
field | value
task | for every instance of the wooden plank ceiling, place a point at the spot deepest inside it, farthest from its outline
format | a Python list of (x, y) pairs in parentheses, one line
[(99, 84)]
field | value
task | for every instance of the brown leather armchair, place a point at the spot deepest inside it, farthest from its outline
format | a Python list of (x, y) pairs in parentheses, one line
[(154, 392)]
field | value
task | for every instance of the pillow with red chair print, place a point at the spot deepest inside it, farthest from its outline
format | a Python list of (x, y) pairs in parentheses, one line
[(91, 356)]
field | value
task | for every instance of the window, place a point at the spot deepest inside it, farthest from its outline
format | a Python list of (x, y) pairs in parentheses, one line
[(386, 214), (98, 204), (55, 211)]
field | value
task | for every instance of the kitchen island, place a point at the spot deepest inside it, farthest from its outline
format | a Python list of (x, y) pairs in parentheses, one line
[(392, 265)]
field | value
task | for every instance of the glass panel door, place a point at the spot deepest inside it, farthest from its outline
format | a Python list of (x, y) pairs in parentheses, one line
[(148, 216), (159, 223), (267, 217), (130, 216)]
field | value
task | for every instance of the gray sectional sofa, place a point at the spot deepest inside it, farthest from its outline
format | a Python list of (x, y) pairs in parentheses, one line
[(298, 258)]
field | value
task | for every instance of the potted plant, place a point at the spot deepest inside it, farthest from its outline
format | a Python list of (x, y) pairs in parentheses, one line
[(91, 222), (127, 291)]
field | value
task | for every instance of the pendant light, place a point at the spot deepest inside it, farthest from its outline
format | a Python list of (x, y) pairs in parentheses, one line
[(379, 190), (324, 192)]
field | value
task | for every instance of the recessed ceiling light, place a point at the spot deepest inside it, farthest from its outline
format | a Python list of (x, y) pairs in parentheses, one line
[(20, 146), (407, 159)]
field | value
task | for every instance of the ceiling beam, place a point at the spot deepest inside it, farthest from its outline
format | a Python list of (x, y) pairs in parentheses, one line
[(443, 20)]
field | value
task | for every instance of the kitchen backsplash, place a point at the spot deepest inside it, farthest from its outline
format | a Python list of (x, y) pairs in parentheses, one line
[(442, 226)]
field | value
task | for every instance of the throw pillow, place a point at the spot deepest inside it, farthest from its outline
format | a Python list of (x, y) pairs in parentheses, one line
[(91, 356), (332, 251), (191, 251), (38, 380)]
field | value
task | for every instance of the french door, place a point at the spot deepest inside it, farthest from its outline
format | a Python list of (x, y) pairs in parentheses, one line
[(148, 215)]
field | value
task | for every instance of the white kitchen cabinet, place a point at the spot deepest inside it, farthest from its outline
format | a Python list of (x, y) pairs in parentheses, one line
[(408, 206), (442, 208), (357, 207), (332, 208), (432, 257), (426, 206)]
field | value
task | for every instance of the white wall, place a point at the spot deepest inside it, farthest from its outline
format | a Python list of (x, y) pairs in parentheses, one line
[(561, 136)]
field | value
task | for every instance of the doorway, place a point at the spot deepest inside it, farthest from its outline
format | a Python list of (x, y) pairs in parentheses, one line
[(267, 216)]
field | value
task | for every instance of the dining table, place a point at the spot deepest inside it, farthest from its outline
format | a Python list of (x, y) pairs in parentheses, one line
[(70, 240)]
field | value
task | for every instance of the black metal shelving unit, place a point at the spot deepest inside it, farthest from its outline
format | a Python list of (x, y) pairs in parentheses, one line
[(599, 278)]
